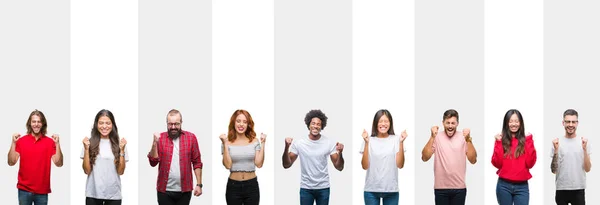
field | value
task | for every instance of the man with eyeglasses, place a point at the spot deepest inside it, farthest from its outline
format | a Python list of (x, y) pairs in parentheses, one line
[(570, 162), (177, 154)]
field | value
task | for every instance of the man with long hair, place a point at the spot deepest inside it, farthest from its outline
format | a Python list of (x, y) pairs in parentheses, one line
[(35, 150)]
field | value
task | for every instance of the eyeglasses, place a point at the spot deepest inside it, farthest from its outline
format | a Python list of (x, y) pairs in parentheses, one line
[(569, 121), (177, 124)]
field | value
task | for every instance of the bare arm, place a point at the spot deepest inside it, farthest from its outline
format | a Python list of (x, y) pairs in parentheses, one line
[(338, 161), (259, 158), (471, 152), (587, 164), (57, 158), (400, 156), (13, 155), (121, 164), (427, 150), (365, 156), (288, 158)]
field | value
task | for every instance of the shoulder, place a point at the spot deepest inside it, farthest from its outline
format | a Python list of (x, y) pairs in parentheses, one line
[(189, 134)]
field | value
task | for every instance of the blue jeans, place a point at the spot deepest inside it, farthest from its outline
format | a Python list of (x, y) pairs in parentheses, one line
[(373, 198), (27, 198), (450, 196), (309, 196), (508, 192)]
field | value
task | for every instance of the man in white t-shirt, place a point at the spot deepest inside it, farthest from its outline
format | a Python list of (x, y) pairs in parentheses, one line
[(313, 152), (570, 162)]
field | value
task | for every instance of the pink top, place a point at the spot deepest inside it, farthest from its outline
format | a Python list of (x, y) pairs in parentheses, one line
[(450, 160)]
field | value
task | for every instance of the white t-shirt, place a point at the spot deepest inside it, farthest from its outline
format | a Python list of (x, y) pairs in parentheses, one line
[(570, 174), (174, 181), (313, 155), (382, 174), (104, 182)]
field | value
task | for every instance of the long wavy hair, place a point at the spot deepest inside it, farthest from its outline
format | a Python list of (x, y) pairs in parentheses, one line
[(250, 134), (378, 115), (44, 127), (507, 135), (113, 136)]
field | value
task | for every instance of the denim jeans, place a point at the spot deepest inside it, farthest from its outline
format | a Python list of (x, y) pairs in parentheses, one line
[(373, 198), (174, 198), (450, 196), (508, 192), (309, 196), (28, 198)]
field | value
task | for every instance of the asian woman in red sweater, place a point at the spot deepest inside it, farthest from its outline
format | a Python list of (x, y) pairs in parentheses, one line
[(514, 154)]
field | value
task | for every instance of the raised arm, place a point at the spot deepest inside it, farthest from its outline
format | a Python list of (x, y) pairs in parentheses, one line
[(13, 155), (288, 158), (428, 149)]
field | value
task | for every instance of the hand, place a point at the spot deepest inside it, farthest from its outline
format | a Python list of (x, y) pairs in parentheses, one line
[(122, 143), (555, 144), (339, 147), (15, 137), (584, 143), (223, 138), (403, 136), (197, 191), (86, 143), (288, 141), (365, 136), (56, 138), (467, 134), (156, 137), (434, 131), (498, 136), (263, 138)]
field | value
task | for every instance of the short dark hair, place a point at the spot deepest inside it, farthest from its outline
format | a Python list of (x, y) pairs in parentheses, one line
[(450, 113), (318, 114), (570, 112)]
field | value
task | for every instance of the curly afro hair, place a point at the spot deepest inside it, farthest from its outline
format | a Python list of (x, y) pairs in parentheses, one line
[(318, 114)]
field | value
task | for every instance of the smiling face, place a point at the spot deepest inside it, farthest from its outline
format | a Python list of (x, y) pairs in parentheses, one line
[(105, 126), (36, 124), (383, 126), (450, 125), (241, 124), (570, 123), (315, 126), (514, 124)]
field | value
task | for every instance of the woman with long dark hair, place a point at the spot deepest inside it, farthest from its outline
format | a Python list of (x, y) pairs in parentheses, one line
[(514, 155), (382, 156), (104, 157), (242, 153)]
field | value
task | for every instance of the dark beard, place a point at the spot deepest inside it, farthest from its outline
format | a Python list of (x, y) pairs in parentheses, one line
[(174, 136)]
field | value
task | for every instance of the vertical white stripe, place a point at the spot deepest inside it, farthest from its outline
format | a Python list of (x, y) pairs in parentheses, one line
[(383, 78), (243, 78), (104, 68), (514, 79)]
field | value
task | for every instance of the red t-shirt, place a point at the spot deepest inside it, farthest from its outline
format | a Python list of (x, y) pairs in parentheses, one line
[(34, 168), (511, 168)]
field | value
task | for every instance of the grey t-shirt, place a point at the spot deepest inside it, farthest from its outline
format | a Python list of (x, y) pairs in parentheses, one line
[(174, 181), (570, 174), (242, 156), (104, 182)]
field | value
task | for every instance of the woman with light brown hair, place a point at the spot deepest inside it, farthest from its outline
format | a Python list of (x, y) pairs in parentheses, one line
[(242, 153)]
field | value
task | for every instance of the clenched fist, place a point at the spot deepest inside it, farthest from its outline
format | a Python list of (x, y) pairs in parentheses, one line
[(434, 131), (86, 143)]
